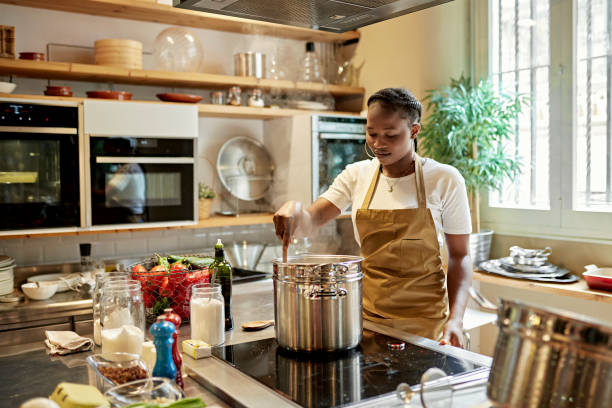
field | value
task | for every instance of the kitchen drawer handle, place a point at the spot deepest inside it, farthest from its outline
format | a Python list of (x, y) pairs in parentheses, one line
[(327, 293)]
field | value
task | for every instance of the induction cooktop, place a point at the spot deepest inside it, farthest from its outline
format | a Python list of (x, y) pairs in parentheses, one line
[(376, 367)]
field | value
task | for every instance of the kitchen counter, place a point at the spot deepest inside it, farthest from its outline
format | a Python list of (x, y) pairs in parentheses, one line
[(578, 289), (251, 301)]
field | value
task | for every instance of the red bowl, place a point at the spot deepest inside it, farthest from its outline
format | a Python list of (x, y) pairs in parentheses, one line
[(58, 88), (120, 95), (55, 93), (600, 278), (35, 56)]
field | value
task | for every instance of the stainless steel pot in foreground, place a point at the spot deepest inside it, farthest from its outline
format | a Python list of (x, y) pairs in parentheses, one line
[(548, 358), (317, 302)]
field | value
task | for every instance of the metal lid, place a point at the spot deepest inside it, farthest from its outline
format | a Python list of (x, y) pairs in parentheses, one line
[(317, 268), (245, 168)]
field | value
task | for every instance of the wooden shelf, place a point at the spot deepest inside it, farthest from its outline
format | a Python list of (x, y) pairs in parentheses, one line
[(102, 73), (212, 222), (159, 13), (578, 289), (207, 110)]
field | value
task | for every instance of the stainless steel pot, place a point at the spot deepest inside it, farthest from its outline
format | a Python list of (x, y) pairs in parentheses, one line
[(317, 302), (548, 358)]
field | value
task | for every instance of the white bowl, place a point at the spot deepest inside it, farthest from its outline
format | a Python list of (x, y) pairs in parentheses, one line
[(7, 87), (42, 292)]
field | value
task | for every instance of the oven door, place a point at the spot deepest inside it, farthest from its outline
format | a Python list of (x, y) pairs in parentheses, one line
[(39, 178), (130, 190), (332, 152)]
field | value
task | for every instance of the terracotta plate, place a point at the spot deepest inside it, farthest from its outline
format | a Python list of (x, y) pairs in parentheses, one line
[(36, 56), (179, 97), (121, 95)]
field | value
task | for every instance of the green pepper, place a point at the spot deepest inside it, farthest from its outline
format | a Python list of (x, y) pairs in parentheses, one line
[(199, 262), (176, 258), (162, 260)]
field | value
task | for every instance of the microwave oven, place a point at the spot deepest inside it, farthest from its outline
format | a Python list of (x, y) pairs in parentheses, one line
[(337, 141)]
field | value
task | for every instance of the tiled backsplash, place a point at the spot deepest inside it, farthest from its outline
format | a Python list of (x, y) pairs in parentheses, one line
[(38, 251)]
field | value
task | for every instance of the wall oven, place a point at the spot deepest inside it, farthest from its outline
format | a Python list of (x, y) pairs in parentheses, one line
[(135, 180), (336, 142), (141, 162), (40, 166)]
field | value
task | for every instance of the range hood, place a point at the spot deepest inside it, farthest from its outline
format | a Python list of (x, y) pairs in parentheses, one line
[(327, 15)]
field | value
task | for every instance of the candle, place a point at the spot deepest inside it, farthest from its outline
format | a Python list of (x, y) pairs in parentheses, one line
[(124, 339), (207, 320)]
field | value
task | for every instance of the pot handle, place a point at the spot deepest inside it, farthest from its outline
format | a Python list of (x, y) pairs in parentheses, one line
[(482, 301), (327, 293)]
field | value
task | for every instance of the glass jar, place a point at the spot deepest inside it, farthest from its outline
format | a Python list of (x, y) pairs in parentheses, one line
[(101, 279), (122, 320), (217, 98), (207, 313), (233, 96), (256, 99)]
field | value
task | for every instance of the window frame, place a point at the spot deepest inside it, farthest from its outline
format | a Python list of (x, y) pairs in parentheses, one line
[(561, 220)]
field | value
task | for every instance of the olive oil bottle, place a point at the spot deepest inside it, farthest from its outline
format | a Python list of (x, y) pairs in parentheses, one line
[(224, 278)]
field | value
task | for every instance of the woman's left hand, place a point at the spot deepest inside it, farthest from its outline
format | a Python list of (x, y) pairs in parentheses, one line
[(453, 333)]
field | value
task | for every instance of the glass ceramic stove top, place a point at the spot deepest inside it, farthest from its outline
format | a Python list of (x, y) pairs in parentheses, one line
[(374, 368)]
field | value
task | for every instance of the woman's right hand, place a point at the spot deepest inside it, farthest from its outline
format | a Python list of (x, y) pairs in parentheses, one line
[(287, 220)]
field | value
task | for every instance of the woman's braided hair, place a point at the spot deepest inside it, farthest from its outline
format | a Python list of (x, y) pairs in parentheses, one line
[(398, 100)]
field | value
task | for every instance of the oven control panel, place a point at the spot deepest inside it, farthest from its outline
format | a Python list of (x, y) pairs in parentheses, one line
[(34, 115)]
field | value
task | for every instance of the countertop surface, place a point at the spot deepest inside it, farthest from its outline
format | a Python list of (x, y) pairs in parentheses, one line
[(219, 384)]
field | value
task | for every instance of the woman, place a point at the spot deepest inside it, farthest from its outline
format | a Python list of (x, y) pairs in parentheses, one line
[(404, 207)]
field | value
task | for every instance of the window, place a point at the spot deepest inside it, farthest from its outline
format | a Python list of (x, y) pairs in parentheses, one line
[(559, 53), (593, 190), (520, 54)]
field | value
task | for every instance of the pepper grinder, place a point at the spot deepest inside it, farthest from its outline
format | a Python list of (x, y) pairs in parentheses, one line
[(175, 319), (162, 337)]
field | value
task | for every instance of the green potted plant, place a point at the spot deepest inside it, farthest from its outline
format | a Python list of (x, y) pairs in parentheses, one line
[(205, 198), (467, 127)]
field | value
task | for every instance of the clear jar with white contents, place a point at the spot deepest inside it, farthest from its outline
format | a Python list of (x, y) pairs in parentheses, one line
[(122, 319), (102, 278), (207, 313)]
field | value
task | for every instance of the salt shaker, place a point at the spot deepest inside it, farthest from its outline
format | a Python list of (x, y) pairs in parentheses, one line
[(233, 96), (175, 319), (162, 337)]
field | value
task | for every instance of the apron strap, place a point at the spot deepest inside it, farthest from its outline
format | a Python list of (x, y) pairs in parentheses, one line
[(368, 198), (420, 185)]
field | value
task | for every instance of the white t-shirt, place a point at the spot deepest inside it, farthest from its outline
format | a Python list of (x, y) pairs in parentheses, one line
[(444, 187)]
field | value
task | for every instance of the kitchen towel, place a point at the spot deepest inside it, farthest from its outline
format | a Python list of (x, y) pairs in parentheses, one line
[(66, 342)]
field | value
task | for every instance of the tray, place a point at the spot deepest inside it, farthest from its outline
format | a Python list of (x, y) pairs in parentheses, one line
[(494, 267)]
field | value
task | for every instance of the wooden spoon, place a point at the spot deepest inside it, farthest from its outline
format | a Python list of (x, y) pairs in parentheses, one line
[(257, 325)]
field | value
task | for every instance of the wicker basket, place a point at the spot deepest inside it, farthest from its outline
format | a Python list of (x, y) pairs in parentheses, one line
[(161, 290), (204, 206)]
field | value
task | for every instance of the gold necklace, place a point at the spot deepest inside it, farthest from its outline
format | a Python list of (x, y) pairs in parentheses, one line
[(391, 184)]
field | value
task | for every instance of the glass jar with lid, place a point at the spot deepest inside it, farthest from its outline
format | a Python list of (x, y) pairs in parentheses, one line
[(256, 98), (101, 279), (122, 320), (234, 96), (207, 313), (217, 98)]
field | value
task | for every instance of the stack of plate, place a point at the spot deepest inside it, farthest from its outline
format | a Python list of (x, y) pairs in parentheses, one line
[(6, 274)]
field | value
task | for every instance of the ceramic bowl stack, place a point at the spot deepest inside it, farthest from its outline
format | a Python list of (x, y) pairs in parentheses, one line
[(6, 274)]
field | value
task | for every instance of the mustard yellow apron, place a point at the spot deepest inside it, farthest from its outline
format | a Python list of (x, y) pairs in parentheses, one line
[(404, 285)]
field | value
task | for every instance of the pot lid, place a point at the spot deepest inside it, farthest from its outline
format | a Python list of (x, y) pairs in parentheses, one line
[(245, 168)]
